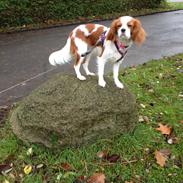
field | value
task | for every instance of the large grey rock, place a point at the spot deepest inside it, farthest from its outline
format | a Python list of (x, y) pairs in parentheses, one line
[(67, 112)]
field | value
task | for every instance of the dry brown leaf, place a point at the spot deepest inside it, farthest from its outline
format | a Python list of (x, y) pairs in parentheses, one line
[(5, 168), (161, 156), (164, 129), (66, 166), (181, 121), (97, 178), (112, 158)]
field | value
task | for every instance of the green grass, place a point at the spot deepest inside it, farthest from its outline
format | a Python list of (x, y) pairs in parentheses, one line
[(177, 5), (156, 85)]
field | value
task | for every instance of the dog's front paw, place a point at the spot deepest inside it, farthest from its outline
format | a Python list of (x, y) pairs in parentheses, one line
[(102, 83), (119, 84)]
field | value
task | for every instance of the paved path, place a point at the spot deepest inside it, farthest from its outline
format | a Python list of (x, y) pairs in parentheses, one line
[(175, 1), (24, 56)]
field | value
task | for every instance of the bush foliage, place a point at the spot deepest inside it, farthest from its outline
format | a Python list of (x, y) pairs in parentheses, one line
[(20, 12)]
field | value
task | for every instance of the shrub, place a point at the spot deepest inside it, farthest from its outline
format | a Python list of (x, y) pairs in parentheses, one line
[(19, 12)]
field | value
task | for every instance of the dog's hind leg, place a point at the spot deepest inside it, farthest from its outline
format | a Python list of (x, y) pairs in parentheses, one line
[(77, 68), (85, 65)]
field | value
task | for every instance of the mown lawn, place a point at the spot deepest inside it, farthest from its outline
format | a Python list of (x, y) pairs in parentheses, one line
[(158, 87)]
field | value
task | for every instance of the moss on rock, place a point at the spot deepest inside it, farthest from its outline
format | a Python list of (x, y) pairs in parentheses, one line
[(67, 112)]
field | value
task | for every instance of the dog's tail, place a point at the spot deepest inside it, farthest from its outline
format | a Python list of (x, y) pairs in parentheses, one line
[(61, 56)]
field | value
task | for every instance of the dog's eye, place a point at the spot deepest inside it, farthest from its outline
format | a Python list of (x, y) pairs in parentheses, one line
[(129, 25), (119, 25)]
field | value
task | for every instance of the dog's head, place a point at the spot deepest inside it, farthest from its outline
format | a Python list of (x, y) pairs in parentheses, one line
[(128, 28)]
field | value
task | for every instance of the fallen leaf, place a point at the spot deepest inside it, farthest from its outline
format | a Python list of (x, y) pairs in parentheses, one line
[(161, 156), (66, 166), (27, 169), (181, 121), (5, 168), (164, 129), (97, 178), (112, 158), (80, 179), (160, 159)]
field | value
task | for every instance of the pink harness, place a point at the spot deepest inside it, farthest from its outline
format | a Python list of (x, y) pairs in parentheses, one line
[(122, 49)]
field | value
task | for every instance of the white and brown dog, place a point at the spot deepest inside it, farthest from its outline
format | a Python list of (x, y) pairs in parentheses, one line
[(106, 44)]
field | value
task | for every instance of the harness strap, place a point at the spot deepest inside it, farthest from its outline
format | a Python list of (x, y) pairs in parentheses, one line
[(119, 50), (102, 38), (101, 42)]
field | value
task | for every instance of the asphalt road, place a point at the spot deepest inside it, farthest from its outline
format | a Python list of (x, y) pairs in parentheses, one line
[(175, 1), (24, 55)]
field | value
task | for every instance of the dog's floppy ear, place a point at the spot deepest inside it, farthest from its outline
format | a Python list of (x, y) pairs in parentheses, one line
[(137, 32), (113, 30)]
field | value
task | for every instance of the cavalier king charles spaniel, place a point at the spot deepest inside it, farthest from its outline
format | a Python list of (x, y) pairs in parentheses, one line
[(106, 44)]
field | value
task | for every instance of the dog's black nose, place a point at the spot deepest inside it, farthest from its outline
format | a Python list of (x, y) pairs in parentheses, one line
[(123, 30)]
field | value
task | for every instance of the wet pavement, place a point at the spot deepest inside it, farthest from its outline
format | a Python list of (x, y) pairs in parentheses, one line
[(175, 1), (24, 55)]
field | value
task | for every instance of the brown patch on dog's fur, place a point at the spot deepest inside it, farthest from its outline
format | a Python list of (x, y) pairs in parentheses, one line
[(70, 35), (73, 50), (90, 27), (95, 36), (113, 30), (137, 32), (92, 39)]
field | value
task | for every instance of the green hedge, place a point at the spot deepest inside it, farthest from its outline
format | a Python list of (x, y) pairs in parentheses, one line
[(20, 12)]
